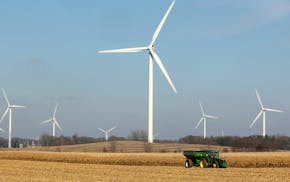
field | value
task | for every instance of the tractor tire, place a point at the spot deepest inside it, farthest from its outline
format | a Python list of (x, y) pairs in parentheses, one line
[(202, 163), (188, 163), (215, 164)]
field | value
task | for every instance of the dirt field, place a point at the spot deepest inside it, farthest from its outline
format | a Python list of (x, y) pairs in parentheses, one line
[(234, 160), (70, 166), (15, 170)]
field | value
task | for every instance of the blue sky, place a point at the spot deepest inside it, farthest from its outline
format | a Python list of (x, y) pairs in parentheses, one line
[(216, 51)]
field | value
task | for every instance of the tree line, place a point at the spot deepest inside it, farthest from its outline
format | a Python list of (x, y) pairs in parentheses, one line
[(248, 143)]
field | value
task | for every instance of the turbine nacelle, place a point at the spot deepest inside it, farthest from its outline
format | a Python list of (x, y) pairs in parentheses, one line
[(203, 119), (262, 113), (107, 132), (53, 121), (9, 109), (155, 57)]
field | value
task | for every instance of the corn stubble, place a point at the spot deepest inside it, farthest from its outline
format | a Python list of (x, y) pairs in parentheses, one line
[(60, 166), (237, 160), (21, 170)]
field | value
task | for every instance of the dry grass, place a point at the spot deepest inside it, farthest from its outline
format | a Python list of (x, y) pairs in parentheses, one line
[(21, 171), (237, 160), (258, 159), (136, 159)]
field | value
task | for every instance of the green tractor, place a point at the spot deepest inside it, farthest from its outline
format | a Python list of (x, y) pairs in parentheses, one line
[(204, 159)]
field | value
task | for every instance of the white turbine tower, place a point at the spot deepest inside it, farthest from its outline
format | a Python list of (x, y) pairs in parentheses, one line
[(203, 118), (263, 112), (107, 132), (53, 121), (9, 109), (152, 56)]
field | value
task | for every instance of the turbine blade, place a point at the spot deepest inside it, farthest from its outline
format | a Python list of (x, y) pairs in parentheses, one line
[(55, 121), (5, 96), (125, 50), (157, 31), (5, 113), (17, 106), (1, 130), (209, 116), (160, 64), (55, 110), (198, 123), (260, 113), (272, 110), (111, 129), (201, 108), (46, 121), (259, 99), (102, 130)]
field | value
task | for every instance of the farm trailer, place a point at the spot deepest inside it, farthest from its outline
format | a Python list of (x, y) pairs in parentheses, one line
[(204, 159)]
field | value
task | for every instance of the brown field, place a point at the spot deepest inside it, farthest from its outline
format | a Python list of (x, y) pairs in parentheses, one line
[(72, 166), (18, 170), (235, 160)]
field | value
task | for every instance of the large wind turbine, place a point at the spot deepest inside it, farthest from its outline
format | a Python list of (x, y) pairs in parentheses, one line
[(263, 112), (107, 132), (203, 118), (9, 109), (53, 121), (152, 56)]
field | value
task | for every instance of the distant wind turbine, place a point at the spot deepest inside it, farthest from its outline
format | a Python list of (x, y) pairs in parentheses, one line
[(152, 56), (203, 118), (263, 112), (9, 109), (107, 132), (53, 121)]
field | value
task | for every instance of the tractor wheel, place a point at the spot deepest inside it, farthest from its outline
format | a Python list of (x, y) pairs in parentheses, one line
[(202, 163), (188, 163), (215, 164)]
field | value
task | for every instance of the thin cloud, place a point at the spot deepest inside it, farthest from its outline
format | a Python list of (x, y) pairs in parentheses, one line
[(257, 13), (264, 12)]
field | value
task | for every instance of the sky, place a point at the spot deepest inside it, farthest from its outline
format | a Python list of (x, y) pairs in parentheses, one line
[(214, 51)]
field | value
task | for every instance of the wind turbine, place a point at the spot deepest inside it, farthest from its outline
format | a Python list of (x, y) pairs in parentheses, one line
[(107, 132), (203, 118), (152, 56), (53, 121), (9, 109), (263, 112)]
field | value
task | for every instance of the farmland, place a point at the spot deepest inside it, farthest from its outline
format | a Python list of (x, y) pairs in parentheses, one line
[(128, 147), (15, 170), (75, 166)]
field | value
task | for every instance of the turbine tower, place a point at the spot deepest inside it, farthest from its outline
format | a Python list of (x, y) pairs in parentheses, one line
[(107, 132), (263, 112), (203, 118), (9, 109), (53, 121), (152, 56)]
